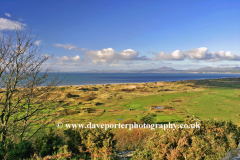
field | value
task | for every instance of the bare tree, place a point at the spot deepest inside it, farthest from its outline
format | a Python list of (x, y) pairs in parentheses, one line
[(25, 100)]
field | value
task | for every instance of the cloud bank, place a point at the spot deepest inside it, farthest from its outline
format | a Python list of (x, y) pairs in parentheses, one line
[(196, 54), (69, 59), (109, 55), (175, 55), (6, 24)]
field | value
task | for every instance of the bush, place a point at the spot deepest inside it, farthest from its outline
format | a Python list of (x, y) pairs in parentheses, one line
[(74, 141), (167, 107), (10, 150), (212, 141), (69, 95), (48, 144), (94, 143), (133, 139), (149, 119)]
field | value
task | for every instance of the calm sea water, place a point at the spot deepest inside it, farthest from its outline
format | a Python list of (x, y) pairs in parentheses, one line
[(111, 78)]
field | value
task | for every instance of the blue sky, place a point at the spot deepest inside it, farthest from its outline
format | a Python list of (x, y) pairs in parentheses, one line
[(130, 34)]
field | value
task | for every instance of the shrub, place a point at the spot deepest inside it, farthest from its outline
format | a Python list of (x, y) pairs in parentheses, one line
[(48, 143), (94, 143), (167, 107), (10, 150), (149, 119), (212, 141), (121, 136), (133, 139), (61, 154), (74, 141), (69, 95)]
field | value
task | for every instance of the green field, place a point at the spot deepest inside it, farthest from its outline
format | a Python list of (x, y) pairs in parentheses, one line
[(205, 99)]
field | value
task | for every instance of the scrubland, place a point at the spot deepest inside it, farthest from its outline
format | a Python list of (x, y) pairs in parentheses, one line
[(213, 103), (111, 103)]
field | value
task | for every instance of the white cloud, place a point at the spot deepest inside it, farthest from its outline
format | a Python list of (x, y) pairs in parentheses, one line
[(109, 55), (221, 55), (196, 54), (76, 58), (105, 55), (7, 14), (130, 54), (70, 47), (175, 55), (38, 42), (65, 58), (6, 24)]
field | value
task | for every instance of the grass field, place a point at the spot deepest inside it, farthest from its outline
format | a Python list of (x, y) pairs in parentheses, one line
[(206, 99)]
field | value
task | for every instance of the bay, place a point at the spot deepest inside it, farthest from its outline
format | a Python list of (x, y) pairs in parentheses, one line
[(113, 78)]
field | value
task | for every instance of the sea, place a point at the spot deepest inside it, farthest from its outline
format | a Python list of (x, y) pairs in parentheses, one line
[(114, 78)]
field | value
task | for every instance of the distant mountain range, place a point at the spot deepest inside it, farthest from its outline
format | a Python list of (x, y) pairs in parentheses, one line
[(210, 69), (171, 70)]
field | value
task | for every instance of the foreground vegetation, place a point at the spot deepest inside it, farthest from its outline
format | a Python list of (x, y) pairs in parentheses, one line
[(212, 141), (216, 100)]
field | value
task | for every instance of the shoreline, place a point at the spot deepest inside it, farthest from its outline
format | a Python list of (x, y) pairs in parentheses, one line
[(142, 82), (149, 72)]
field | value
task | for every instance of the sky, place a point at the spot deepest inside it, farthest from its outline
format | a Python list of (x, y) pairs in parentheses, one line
[(129, 34)]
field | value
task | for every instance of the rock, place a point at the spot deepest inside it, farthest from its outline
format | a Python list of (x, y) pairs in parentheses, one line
[(233, 155), (125, 154), (236, 158)]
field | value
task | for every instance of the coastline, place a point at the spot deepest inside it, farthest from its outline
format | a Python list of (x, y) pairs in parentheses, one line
[(141, 82)]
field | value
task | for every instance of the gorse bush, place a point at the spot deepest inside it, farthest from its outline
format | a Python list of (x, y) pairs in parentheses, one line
[(74, 141), (133, 139), (10, 150), (94, 143), (61, 154), (212, 141), (48, 143)]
